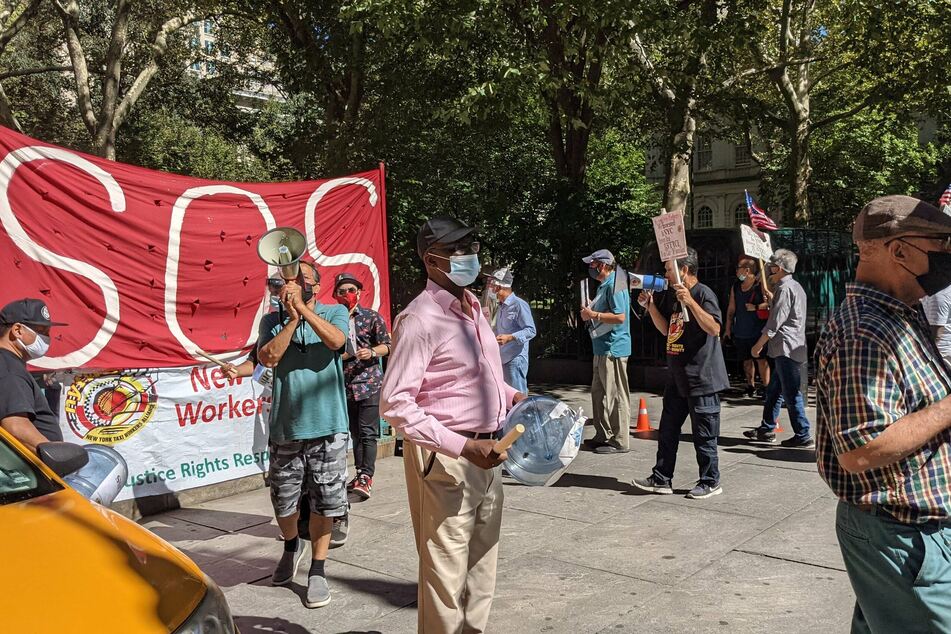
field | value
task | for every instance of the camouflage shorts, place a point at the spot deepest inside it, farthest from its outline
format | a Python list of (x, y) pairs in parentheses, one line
[(317, 466)]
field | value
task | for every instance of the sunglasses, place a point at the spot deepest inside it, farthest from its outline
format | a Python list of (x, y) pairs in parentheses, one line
[(275, 284), (343, 290)]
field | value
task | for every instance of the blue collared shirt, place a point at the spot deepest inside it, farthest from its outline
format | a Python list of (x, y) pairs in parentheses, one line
[(515, 318), (616, 340)]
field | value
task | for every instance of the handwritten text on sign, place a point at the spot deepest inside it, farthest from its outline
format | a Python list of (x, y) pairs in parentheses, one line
[(671, 238), (756, 245)]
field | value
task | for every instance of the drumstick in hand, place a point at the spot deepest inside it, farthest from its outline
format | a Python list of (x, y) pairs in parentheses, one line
[(509, 439)]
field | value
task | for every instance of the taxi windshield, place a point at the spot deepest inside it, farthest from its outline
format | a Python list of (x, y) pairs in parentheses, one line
[(19, 478)]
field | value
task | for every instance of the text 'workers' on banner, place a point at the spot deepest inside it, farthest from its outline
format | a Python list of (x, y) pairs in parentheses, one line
[(177, 428)]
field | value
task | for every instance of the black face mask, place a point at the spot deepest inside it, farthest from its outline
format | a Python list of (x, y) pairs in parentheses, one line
[(938, 276)]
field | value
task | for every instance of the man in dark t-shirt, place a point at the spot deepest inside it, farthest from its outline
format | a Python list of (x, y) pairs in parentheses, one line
[(25, 335), (698, 375)]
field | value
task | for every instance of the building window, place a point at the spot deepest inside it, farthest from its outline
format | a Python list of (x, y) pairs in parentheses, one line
[(705, 218), (741, 156), (209, 47), (208, 26), (211, 68), (740, 215), (196, 66), (703, 152)]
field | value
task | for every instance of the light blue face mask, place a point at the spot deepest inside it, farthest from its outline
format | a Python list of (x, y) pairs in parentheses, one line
[(463, 269), (275, 302)]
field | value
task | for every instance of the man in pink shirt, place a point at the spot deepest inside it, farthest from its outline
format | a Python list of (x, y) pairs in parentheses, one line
[(444, 391)]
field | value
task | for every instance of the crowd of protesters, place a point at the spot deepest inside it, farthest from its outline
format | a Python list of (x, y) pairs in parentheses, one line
[(457, 365)]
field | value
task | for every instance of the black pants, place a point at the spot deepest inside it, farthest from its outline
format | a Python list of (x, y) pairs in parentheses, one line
[(704, 412), (365, 431)]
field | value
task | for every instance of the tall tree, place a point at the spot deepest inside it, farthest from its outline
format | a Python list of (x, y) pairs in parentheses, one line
[(830, 61)]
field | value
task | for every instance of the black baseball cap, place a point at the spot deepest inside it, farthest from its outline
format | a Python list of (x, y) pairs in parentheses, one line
[(32, 312), (441, 230), (345, 277)]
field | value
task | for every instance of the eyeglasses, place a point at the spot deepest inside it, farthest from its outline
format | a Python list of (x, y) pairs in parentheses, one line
[(472, 248), (275, 284), (343, 290), (944, 242)]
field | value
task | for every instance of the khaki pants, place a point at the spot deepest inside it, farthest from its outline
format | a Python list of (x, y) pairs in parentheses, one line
[(457, 514), (611, 400)]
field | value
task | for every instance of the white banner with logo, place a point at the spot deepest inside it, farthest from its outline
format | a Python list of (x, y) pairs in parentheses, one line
[(177, 428)]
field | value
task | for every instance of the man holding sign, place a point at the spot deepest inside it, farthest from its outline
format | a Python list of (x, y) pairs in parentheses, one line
[(698, 375)]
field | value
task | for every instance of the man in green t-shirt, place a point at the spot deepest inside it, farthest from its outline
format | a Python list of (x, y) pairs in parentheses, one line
[(308, 423)]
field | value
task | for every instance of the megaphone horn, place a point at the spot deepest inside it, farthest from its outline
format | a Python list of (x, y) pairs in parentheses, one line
[(283, 247)]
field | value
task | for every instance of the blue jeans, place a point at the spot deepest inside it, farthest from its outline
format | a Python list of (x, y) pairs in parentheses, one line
[(901, 573), (784, 385), (515, 373), (704, 412)]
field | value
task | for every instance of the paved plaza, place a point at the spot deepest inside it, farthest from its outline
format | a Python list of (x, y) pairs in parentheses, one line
[(588, 554)]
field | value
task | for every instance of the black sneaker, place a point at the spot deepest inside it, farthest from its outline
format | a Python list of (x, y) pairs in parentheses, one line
[(651, 484), (750, 391), (702, 491), (761, 435), (799, 443), (592, 444), (612, 446)]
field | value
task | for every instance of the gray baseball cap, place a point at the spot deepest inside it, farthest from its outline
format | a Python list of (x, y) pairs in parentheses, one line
[(894, 216), (601, 255)]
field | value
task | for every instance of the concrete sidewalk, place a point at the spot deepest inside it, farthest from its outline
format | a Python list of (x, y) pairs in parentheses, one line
[(586, 555)]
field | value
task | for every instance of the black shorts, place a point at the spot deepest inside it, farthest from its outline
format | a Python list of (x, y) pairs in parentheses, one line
[(744, 349)]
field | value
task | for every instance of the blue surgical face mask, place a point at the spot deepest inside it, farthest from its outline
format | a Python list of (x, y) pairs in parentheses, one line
[(275, 302), (741, 277), (463, 269)]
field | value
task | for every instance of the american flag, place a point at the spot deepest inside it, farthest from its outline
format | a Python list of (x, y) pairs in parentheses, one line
[(945, 200), (758, 217)]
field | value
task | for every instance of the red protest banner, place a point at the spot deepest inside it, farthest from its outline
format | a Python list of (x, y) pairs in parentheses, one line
[(149, 267)]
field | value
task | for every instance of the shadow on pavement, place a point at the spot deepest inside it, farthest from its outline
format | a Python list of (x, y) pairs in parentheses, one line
[(590, 482), (396, 592), (785, 455), (270, 625)]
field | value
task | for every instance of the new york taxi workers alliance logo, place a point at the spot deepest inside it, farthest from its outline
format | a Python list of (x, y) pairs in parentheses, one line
[(110, 408)]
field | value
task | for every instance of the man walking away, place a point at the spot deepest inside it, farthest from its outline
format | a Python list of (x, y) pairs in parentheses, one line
[(785, 335)]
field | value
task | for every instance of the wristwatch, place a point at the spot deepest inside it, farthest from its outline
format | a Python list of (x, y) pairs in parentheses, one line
[(373, 353)]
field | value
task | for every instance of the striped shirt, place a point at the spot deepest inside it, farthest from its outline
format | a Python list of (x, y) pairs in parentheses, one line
[(445, 373), (876, 362)]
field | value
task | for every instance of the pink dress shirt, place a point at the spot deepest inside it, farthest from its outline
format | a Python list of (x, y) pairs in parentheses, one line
[(444, 374)]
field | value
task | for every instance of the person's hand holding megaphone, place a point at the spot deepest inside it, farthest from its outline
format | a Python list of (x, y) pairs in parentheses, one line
[(291, 297)]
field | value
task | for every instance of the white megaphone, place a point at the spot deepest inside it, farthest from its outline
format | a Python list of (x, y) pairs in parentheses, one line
[(647, 282), (283, 247)]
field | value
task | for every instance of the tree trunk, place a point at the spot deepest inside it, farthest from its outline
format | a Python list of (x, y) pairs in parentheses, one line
[(800, 170), (683, 130)]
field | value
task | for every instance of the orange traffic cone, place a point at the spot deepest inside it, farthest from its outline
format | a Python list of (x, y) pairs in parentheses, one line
[(643, 421), (779, 427)]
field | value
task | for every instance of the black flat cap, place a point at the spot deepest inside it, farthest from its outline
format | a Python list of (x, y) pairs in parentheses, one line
[(441, 230)]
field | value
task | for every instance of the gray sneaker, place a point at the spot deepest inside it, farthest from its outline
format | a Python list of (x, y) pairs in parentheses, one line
[(287, 566), (318, 592), (339, 531), (702, 491), (652, 485)]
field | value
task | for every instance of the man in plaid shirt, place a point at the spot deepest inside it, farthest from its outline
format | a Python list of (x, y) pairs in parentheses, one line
[(883, 437)]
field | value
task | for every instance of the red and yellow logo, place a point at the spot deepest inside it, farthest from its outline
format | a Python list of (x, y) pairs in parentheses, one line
[(110, 408)]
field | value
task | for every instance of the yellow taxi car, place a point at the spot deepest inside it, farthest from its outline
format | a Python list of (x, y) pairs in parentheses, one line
[(71, 566)]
